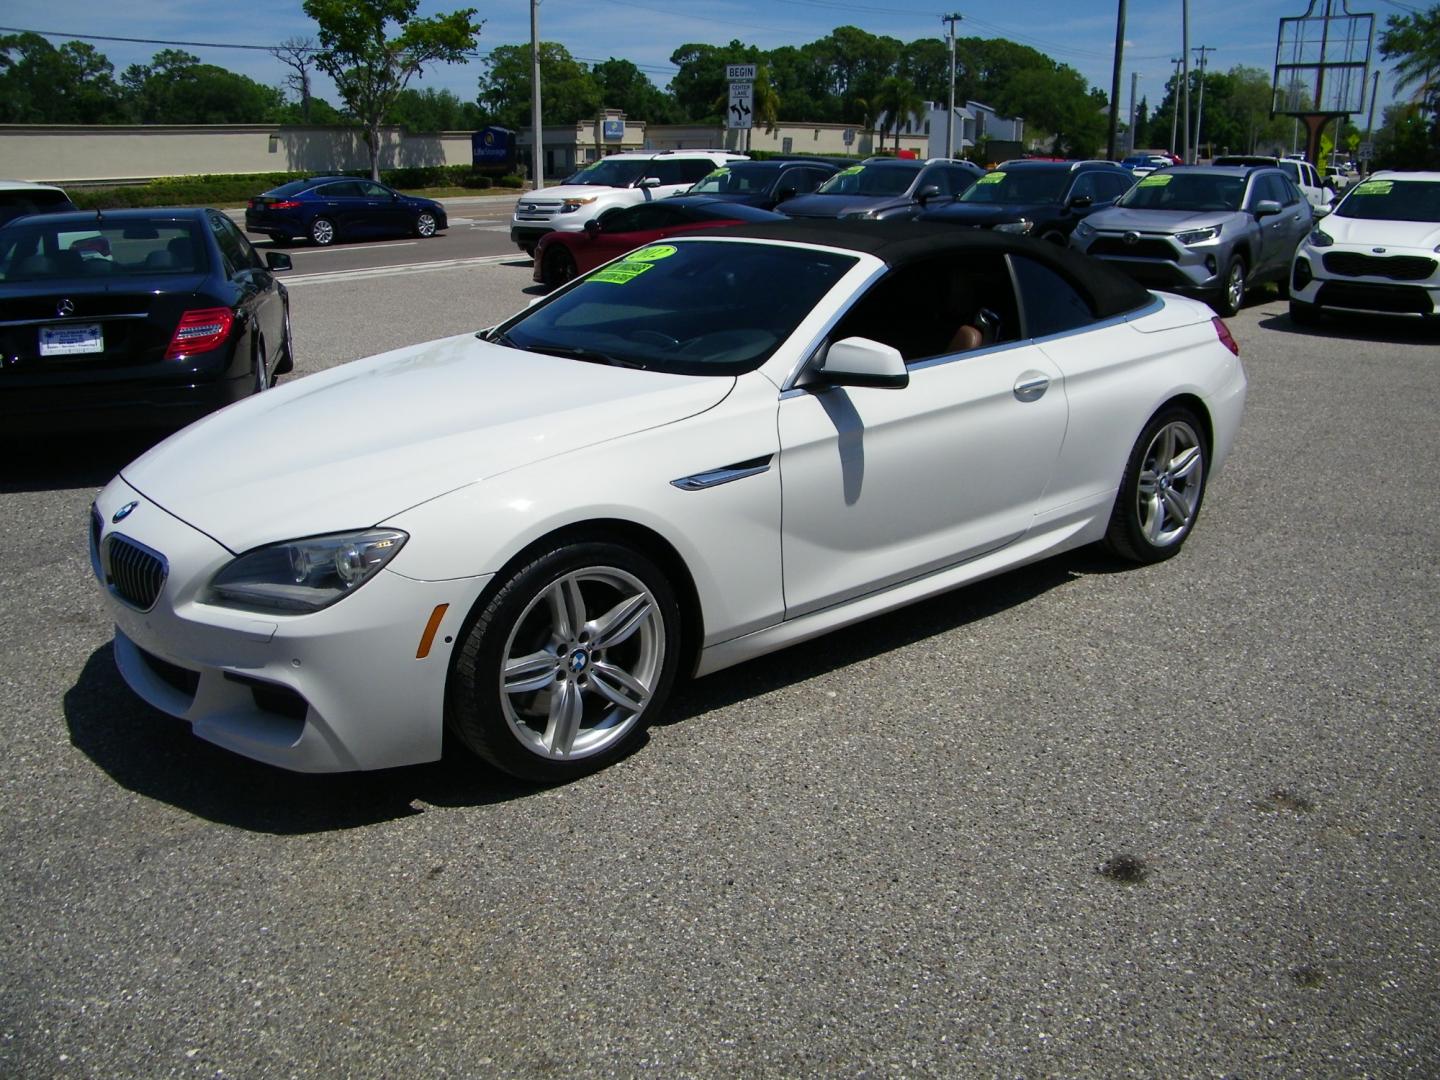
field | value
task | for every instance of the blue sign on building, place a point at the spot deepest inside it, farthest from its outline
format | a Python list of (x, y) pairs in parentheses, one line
[(614, 130), (492, 146)]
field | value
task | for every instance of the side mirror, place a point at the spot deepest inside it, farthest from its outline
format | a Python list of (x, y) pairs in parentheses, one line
[(926, 193), (592, 228), (1080, 202), (785, 193), (278, 260), (1266, 208), (650, 181), (858, 361)]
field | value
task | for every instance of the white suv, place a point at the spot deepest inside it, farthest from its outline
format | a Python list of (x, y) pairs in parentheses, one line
[(618, 180)]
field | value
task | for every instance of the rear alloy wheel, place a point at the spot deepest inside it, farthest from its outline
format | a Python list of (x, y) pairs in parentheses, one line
[(1232, 293), (322, 231), (567, 663), (425, 225), (559, 267), (1161, 492)]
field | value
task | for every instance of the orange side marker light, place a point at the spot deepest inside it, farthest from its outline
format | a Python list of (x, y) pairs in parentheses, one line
[(431, 628)]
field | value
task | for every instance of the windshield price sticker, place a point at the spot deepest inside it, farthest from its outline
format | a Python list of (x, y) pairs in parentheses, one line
[(991, 178), (1374, 187), (653, 253), (851, 171), (622, 273), (1156, 180)]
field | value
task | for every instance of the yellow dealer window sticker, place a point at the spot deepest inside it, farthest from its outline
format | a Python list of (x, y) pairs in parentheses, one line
[(622, 273), (1374, 187), (1156, 180), (653, 253), (851, 171), (991, 178)]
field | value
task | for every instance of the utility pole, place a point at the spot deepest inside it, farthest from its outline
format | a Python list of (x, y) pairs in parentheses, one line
[(952, 19), (1185, 60), (1370, 123), (1200, 110), (539, 155), (1115, 79), (1175, 103)]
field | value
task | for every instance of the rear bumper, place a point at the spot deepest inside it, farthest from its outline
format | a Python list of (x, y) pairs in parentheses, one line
[(116, 406)]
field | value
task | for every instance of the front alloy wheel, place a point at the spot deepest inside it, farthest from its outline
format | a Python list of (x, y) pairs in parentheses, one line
[(1232, 294), (1162, 490), (567, 663)]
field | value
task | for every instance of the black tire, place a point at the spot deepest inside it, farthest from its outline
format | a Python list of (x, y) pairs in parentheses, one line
[(1231, 297), (286, 363), (570, 676), (425, 224), (322, 231), (260, 374), (1056, 237), (559, 267), (529, 250), (1156, 509), (1303, 314)]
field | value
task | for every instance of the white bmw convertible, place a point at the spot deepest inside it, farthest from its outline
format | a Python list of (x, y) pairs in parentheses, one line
[(704, 451)]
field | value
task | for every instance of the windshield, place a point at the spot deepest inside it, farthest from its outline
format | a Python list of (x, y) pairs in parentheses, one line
[(1186, 191), (1029, 186), (1392, 200), (690, 308), (879, 179), (610, 172), (735, 180), (98, 249)]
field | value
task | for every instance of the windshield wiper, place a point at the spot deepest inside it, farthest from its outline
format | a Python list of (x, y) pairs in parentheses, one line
[(589, 356), (496, 336)]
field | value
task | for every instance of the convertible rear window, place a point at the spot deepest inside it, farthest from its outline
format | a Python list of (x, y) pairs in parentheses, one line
[(690, 308)]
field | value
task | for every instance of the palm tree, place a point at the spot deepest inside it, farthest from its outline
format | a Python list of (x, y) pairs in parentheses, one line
[(898, 100)]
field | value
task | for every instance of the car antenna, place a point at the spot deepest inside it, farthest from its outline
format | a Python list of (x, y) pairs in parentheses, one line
[(99, 215)]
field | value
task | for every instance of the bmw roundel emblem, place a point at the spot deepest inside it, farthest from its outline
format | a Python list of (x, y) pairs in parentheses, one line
[(124, 512)]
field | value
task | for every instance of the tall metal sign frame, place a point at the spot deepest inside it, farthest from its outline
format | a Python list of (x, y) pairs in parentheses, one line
[(1322, 65)]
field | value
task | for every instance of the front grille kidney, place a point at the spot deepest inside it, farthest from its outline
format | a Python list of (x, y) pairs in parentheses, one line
[(134, 572)]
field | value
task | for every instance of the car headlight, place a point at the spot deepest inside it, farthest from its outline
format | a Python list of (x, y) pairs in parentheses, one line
[(305, 575), (1024, 225), (570, 205), (856, 215), (1196, 236), (1083, 229), (1319, 238)]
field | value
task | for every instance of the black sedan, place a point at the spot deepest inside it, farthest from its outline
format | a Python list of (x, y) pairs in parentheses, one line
[(135, 319), (330, 208), (885, 189), (1045, 199)]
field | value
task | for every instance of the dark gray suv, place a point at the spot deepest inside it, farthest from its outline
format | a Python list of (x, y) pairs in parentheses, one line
[(1202, 230)]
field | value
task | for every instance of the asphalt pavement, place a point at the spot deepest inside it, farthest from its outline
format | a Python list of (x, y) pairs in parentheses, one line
[(1078, 820)]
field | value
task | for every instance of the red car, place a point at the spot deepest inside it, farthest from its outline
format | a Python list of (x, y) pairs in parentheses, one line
[(560, 256)]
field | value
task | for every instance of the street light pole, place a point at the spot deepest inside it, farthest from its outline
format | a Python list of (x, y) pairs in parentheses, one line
[(952, 19), (538, 157), (1115, 80)]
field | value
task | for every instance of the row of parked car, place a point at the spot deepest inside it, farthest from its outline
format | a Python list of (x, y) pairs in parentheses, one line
[(1214, 231)]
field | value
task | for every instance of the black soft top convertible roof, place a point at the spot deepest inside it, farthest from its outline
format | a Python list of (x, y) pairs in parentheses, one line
[(900, 243)]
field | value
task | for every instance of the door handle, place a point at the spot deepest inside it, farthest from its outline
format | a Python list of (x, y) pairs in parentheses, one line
[(1031, 386)]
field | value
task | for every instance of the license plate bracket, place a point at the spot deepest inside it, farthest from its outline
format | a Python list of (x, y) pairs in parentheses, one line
[(71, 339)]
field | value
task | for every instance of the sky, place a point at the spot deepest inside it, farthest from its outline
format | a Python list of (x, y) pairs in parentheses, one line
[(646, 32)]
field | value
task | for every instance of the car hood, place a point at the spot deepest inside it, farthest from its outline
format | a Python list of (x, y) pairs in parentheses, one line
[(835, 206), (983, 214), (355, 445), (569, 191), (1120, 218), (1348, 230)]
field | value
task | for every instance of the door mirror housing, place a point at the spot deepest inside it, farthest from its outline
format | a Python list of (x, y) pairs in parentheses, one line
[(1080, 202), (649, 182), (278, 260), (1267, 208), (858, 361), (926, 193)]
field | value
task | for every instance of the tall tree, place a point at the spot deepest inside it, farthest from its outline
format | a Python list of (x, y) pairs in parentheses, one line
[(176, 88), (625, 87), (571, 92), (897, 101), (40, 84), (370, 68), (433, 110), (298, 54), (1414, 42)]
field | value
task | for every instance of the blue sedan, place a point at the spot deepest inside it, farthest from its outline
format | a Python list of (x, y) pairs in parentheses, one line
[(330, 208)]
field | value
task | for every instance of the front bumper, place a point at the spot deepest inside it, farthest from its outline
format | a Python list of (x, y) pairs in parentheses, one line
[(1158, 262), (336, 690), (1350, 278)]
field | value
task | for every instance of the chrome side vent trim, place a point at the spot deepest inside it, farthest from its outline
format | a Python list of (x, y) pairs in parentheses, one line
[(724, 475)]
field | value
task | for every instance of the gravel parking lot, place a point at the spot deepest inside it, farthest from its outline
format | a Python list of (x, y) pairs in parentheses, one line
[(1075, 821)]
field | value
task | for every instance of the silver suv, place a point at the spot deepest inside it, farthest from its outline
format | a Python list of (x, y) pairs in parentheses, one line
[(618, 180), (1202, 230)]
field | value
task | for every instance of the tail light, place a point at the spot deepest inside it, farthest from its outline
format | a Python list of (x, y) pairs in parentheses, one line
[(200, 331), (1223, 333), (284, 204), (249, 204)]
